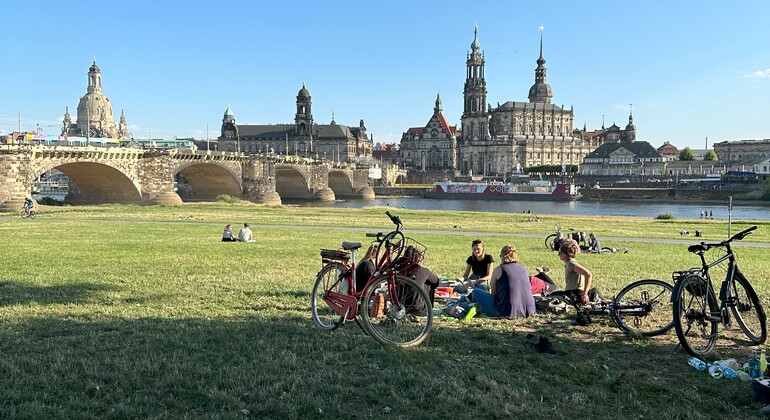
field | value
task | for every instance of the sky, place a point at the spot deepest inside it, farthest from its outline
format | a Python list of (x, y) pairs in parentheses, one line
[(693, 72)]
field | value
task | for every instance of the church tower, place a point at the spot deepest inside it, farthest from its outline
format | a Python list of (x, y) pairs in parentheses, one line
[(475, 118), (540, 91), (631, 128), (303, 119)]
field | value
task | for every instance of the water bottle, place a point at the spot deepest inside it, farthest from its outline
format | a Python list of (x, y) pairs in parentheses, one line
[(743, 376), (727, 371), (762, 363), (698, 364), (754, 365), (715, 371)]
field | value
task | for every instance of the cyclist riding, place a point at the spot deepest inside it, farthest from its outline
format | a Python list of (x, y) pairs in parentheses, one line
[(28, 203)]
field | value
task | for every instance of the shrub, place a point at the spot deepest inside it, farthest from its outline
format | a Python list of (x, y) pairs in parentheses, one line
[(50, 201), (664, 216), (227, 198)]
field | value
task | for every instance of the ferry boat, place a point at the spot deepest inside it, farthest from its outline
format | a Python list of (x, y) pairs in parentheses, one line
[(530, 190)]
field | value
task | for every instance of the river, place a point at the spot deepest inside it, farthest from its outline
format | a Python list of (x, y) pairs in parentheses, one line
[(577, 208)]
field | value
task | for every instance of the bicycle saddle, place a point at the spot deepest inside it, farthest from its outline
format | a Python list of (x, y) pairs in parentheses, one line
[(347, 246), (698, 248)]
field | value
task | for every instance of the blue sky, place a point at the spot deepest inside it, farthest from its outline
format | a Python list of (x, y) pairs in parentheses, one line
[(691, 69)]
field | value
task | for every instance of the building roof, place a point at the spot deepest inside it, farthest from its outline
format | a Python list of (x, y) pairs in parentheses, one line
[(640, 149), (538, 106)]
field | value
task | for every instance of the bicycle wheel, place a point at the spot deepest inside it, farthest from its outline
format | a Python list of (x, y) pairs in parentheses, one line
[(396, 311), (606, 250), (549, 241), (328, 280), (748, 310), (644, 307), (32, 214), (696, 315), (24, 214)]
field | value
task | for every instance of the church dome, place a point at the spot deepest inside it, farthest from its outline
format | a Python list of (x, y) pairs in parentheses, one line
[(94, 68), (540, 90), (303, 93)]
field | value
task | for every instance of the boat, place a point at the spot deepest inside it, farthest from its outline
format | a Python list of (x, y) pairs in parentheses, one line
[(525, 190)]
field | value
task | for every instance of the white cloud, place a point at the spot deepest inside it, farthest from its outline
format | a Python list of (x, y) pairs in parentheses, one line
[(759, 74)]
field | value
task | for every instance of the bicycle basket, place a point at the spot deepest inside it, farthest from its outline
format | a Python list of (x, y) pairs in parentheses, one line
[(329, 255), (414, 253)]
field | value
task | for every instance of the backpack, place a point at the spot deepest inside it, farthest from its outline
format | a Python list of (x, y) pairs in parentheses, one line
[(550, 305)]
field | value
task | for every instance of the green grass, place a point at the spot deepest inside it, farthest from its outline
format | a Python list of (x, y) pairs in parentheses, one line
[(140, 312)]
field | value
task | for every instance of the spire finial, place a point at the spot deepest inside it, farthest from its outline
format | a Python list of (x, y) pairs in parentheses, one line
[(542, 28), (630, 113)]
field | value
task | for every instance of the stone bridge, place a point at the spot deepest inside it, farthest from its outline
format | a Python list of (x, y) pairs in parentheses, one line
[(151, 176)]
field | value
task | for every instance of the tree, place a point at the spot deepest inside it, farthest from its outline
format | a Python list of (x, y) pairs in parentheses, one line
[(686, 154), (710, 155)]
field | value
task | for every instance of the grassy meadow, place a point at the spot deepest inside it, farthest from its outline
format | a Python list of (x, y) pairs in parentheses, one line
[(141, 312)]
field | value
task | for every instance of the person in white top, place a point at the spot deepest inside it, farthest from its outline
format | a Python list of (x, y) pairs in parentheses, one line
[(245, 235)]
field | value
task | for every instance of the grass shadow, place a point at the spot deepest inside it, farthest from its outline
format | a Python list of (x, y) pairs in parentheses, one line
[(15, 293)]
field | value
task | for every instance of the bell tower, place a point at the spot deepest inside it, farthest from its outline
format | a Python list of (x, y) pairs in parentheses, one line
[(303, 119), (475, 118)]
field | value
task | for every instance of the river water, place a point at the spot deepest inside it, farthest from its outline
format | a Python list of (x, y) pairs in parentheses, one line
[(578, 207)]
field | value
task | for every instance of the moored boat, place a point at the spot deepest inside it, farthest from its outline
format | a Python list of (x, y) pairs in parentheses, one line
[(532, 190)]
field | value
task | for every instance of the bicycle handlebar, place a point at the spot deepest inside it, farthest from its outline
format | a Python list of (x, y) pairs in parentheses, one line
[(703, 246), (395, 219), (373, 235)]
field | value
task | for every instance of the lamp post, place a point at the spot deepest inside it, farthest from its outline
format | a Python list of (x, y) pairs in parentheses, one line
[(88, 121)]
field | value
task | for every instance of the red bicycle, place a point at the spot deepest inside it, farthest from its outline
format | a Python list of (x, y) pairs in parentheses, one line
[(392, 308)]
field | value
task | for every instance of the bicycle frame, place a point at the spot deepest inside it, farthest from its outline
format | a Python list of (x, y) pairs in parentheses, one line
[(347, 304)]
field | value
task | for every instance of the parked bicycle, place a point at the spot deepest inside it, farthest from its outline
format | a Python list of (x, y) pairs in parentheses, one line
[(392, 308), (553, 240), (697, 314), (641, 308)]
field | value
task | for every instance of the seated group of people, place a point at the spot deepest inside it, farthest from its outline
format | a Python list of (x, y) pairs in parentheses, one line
[(245, 234), (511, 289), (505, 291)]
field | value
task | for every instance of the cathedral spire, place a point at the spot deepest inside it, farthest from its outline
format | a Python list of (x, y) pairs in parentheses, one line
[(541, 90), (439, 108)]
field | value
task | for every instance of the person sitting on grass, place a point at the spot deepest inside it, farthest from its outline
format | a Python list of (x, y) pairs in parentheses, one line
[(510, 293), (577, 278), (593, 246), (365, 267), (245, 235), (227, 234), (478, 268)]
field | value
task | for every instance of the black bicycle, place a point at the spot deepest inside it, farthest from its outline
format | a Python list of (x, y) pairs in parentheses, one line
[(641, 308), (553, 240), (697, 314)]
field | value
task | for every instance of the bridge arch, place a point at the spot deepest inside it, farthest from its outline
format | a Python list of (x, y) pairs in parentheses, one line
[(341, 184), (93, 183), (205, 181), (291, 184)]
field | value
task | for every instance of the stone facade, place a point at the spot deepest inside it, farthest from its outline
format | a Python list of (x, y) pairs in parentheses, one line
[(624, 158), (432, 147), (742, 149), (496, 141), (304, 138), (94, 113), (146, 176)]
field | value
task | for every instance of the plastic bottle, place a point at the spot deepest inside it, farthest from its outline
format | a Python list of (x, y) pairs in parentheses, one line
[(727, 371), (715, 371), (743, 376), (698, 364), (762, 363), (754, 365)]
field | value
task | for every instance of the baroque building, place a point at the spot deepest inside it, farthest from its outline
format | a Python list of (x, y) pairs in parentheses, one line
[(94, 113), (514, 135), (432, 147), (304, 137)]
